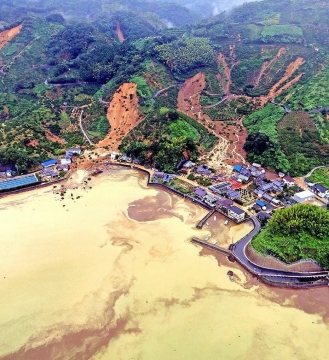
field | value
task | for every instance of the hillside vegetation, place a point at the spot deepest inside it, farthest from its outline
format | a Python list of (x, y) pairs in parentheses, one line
[(295, 233), (258, 53)]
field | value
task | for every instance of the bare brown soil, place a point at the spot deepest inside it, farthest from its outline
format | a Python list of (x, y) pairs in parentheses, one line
[(120, 33), (122, 115), (225, 80), (188, 100), (277, 88), (7, 35), (6, 111), (34, 143), (236, 139), (267, 64), (228, 150), (54, 138)]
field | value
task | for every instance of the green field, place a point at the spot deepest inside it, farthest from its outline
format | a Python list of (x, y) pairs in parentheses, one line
[(320, 176), (275, 30)]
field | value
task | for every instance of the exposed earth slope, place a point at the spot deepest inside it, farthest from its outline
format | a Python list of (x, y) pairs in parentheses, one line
[(122, 114), (7, 35)]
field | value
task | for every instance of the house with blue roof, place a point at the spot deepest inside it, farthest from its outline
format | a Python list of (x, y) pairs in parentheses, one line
[(49, 163), (260, 203), (237, 168)]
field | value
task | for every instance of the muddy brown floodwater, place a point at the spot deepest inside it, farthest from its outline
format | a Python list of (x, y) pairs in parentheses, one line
[(113, 275)]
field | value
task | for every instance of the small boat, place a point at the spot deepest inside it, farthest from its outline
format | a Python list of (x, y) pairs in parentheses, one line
[(215, 242), (226, 222)]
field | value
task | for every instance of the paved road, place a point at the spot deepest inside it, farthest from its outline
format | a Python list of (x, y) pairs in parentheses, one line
[(311, 172), (82, 130), (240, 254)]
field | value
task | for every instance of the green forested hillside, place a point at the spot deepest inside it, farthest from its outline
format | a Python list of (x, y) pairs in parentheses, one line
[(68, 55), (295, 233)]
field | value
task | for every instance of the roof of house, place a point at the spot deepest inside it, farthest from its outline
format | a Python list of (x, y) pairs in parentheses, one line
[(76, 150), (266, 187), (49, 162), (267, 197), (188, 164), (210, 198), (233, 194), (320, 188), (258, 192), (237, 168), (263, 215), (243, 177), (225, 202), (260, 203), (245, 172), (256, 207), (288, 178), (236, 210), (304, 194), (200, 192), (277, 183)]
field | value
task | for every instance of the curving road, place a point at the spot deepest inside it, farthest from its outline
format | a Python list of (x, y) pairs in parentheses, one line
[(239, 252), (82, 130), (311, 172)]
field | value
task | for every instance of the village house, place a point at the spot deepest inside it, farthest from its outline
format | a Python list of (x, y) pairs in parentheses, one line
[(66, 161), (159, 174), (49, 172), (236, 213), (49, 163), (210, 200), (258, 192), (263, 217), (189, 164), (304, 196), (125, 158), (262, 204), (221, 187), (320, 190), (200, 193), (70, 152), (233, 194), (267, 197), (288, 180), (203, 170), (256, 208), (224, 204), (232, 211), (277, 186), (114, 155)]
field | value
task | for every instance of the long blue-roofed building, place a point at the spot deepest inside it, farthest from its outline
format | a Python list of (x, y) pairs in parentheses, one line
[(18, 182)]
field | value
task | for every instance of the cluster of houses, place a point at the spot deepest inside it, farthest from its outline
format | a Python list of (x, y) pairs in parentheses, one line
[(52, 167), (221, 204)]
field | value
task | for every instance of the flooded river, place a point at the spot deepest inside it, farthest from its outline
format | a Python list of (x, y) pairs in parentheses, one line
[(109, 272)]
